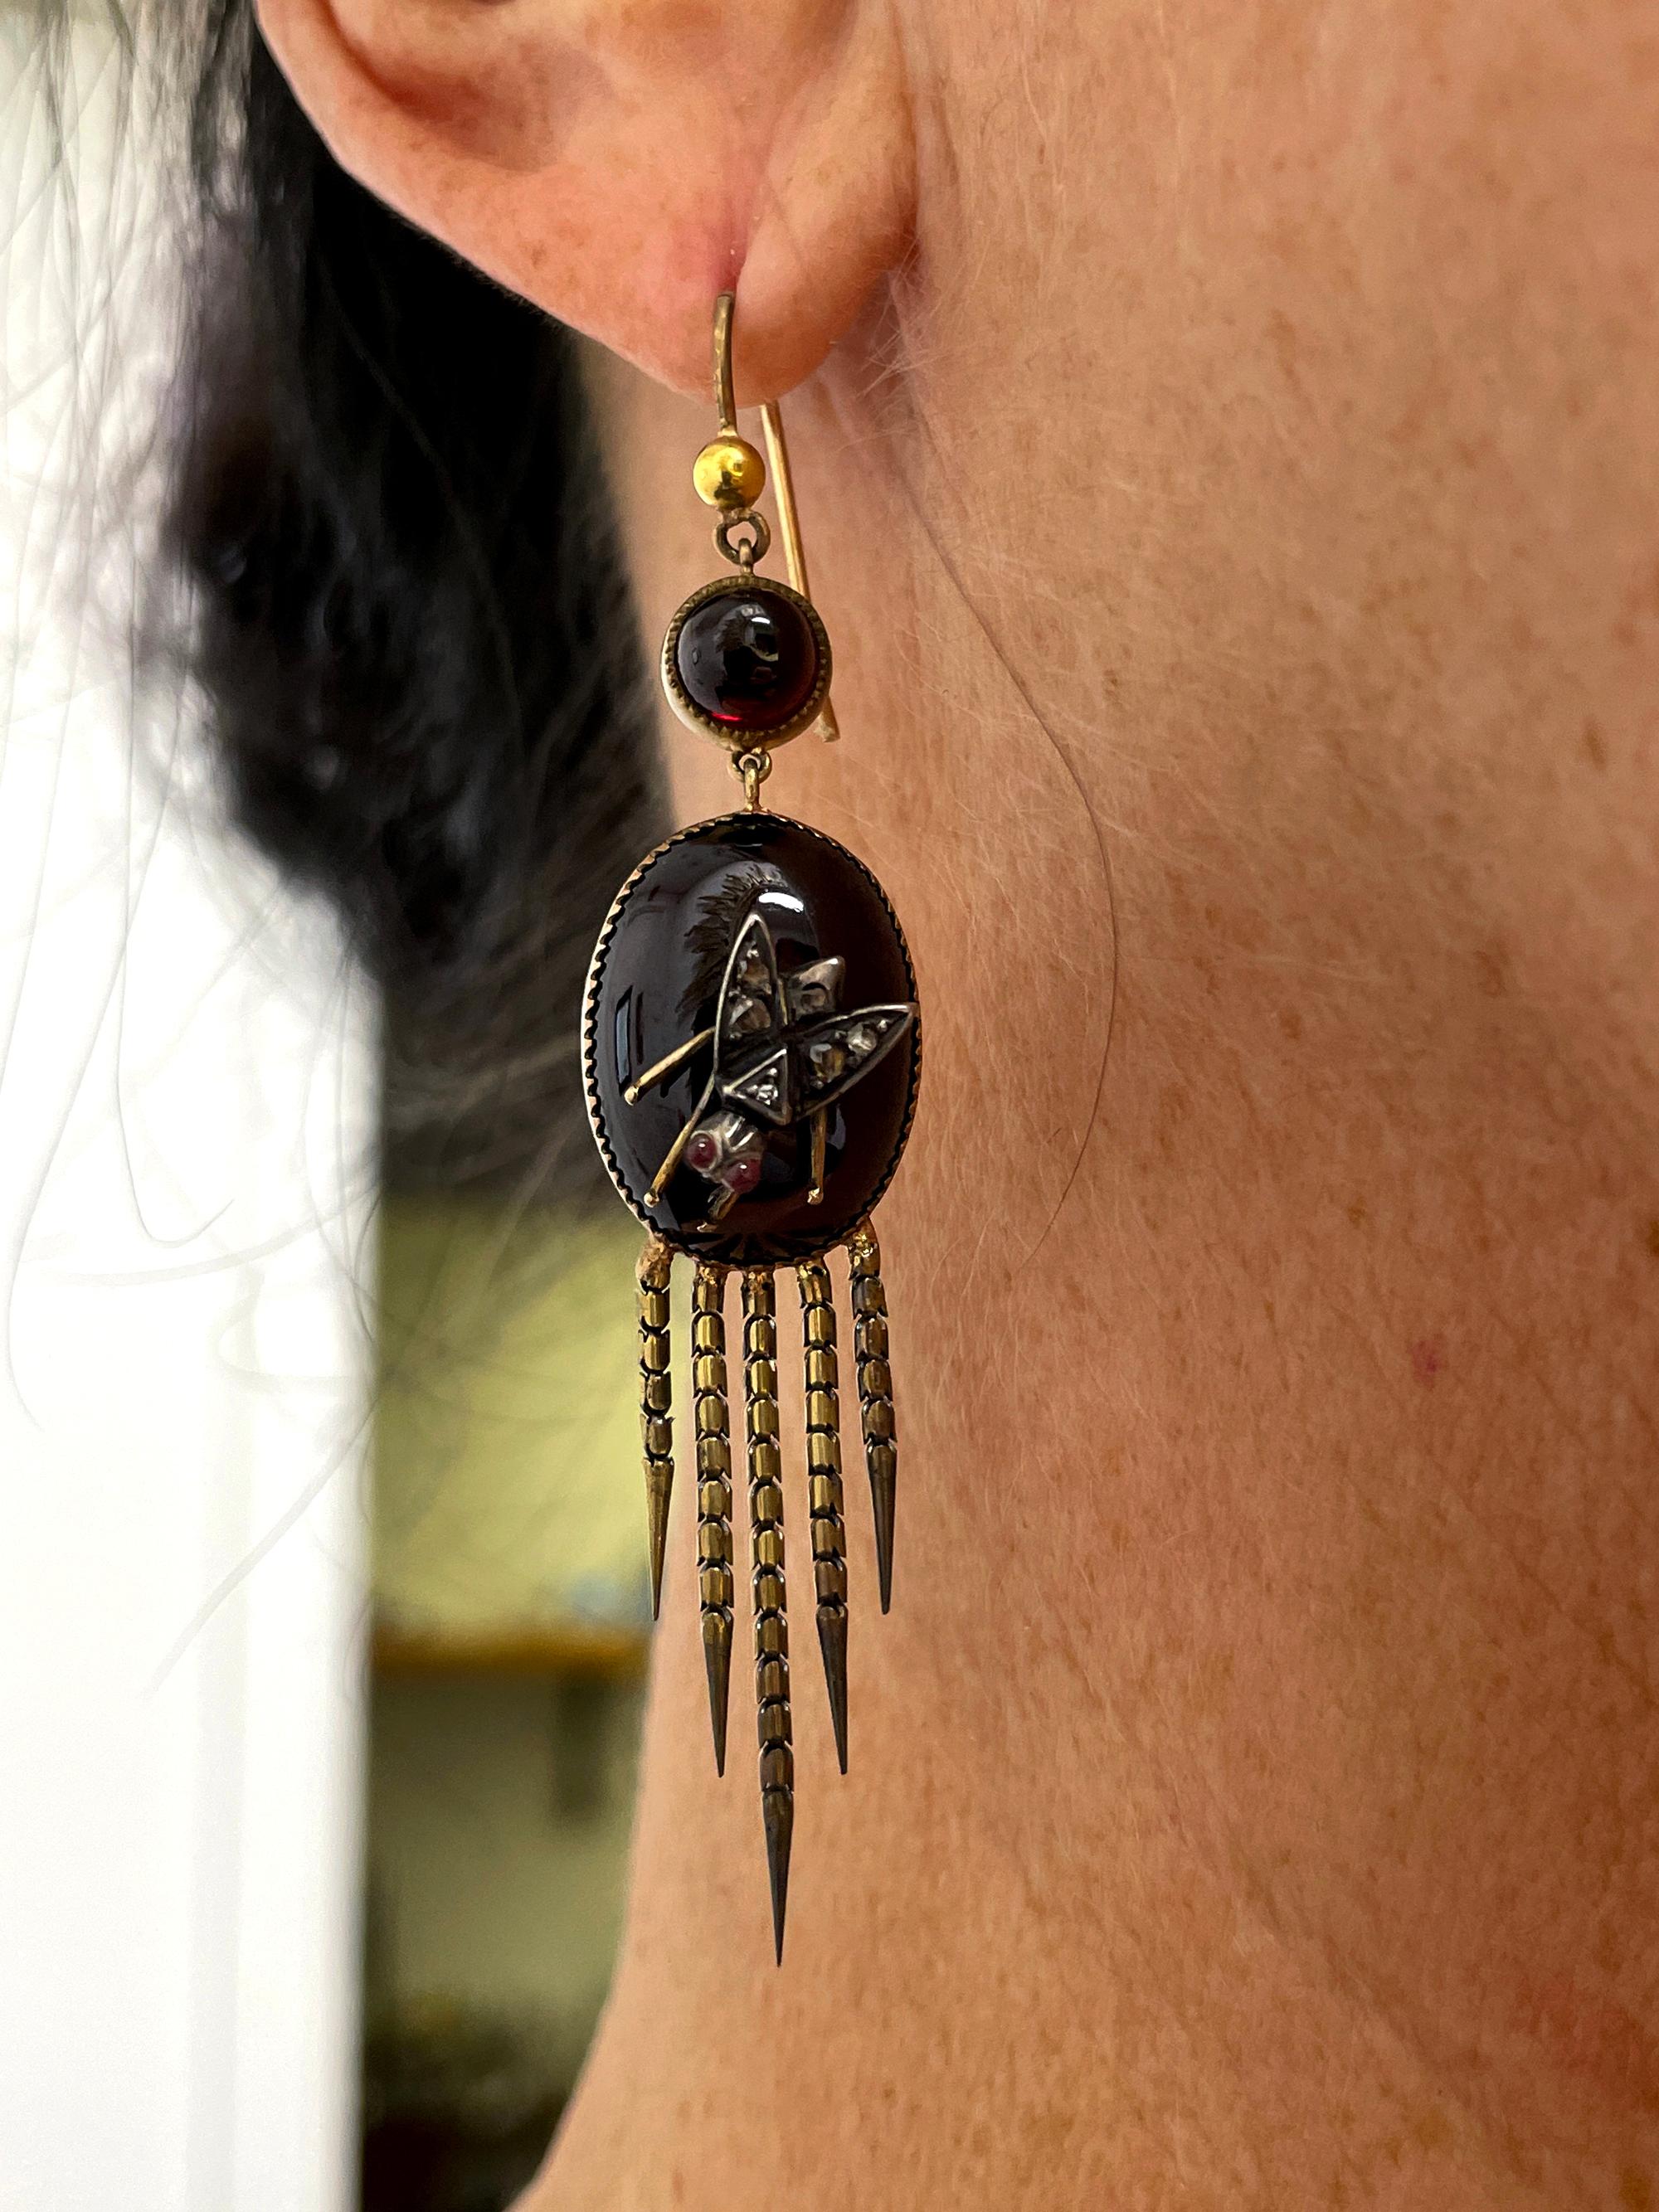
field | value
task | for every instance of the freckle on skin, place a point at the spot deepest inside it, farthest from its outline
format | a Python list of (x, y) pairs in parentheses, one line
[(1653, 1236), (1290, 1022), (1428, 1358), (1358, 1214), (1595, 745), (1635, 2190)]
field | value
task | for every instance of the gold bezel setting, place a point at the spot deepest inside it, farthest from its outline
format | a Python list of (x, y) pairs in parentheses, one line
[(732, 736)]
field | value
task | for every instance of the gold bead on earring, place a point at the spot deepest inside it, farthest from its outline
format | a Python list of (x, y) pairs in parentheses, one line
[(729, 473)]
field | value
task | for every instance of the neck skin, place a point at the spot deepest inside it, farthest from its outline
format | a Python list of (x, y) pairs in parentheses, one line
[(1242, 564)]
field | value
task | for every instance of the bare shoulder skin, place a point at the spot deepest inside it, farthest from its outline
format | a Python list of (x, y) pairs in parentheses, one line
[(1230, 455)]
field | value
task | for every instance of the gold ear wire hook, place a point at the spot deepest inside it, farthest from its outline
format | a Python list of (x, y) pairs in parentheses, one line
[(777, 454), (725, 405)]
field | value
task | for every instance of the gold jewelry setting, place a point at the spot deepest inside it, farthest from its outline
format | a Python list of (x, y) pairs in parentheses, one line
[(751, 1046), (768, 639)]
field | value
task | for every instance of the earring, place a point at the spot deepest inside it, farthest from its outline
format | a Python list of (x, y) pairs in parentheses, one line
[(752, 1053)]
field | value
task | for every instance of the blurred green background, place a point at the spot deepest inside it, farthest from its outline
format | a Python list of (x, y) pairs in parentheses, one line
[(510, 1620)]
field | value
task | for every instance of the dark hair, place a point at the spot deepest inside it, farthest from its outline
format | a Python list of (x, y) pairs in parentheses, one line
[(410, 622)]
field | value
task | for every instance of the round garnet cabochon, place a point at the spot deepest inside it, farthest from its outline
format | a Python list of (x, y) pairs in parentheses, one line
[(749, 658), (656, 984)]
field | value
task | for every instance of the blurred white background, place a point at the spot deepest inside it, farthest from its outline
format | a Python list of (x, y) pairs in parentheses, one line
[(186, 1201)]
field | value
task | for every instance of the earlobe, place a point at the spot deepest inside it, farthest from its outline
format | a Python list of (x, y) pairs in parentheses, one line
[(621, 161)]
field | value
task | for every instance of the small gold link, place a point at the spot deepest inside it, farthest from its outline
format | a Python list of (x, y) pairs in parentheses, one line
[(830, 1582), (751, 769)]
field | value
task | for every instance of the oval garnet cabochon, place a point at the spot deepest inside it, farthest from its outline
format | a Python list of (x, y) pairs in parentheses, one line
[(772, 952)]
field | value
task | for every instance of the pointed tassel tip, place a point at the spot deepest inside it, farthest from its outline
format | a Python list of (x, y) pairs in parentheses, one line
[(658, 1553), (884, 1497), (717, 1666), (779, 1812), (832, 1643), (882, 1500)]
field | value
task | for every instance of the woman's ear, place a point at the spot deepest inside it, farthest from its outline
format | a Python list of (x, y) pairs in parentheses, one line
[(621, 161)]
